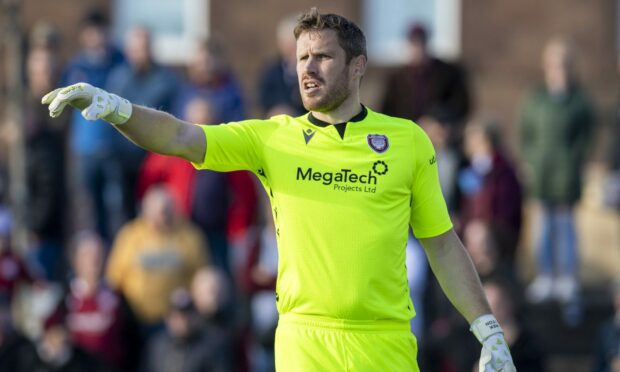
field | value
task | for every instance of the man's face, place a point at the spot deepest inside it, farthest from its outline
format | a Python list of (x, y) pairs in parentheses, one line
[(324, 76), (138, 47), (88, 260)]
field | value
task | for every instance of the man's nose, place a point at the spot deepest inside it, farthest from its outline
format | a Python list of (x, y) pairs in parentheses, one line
[(310, 66)]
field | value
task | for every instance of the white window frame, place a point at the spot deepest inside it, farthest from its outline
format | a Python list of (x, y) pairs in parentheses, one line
[(169, 48)]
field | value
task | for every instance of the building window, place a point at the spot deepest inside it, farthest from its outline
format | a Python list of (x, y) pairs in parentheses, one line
[(176, 25), (386, 23)]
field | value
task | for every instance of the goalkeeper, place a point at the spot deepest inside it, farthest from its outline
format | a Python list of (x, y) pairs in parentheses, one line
[(344, 183)]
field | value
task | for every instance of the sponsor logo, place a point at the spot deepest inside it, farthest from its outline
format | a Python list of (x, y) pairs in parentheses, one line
[(308, 134), (378, 142), (346, 180), (432, 160), (380, 168)]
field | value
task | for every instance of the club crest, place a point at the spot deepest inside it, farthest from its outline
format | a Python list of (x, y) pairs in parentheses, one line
[(378, 142)]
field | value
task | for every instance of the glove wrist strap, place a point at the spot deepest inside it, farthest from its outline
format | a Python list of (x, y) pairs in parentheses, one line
[(122, 113), (485, 326)]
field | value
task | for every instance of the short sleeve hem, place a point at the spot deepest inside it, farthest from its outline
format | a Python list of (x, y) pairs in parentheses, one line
[(203, 164), (432, 232)]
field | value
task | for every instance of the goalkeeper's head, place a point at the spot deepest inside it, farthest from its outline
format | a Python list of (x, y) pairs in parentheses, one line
[(331, 60)]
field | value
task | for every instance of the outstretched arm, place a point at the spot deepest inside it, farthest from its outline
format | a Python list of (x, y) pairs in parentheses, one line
[(150, 129), (161, 132)]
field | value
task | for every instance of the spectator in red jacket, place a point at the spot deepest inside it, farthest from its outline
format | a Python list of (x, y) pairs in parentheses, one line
[(98, 319), (176, 174)]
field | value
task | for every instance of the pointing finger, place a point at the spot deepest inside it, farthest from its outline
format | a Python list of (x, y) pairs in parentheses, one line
[(50, 96)]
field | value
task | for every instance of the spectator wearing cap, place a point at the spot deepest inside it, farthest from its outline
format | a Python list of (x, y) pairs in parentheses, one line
[(426, 83), (185, 345)]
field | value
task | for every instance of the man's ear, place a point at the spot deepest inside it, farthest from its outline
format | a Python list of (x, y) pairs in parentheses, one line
[(359, 65)]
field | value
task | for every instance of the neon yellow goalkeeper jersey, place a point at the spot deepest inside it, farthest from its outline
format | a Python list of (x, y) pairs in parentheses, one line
[(342, 197)]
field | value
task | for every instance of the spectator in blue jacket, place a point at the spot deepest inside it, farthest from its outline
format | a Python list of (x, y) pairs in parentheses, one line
[(146, 83), (210, 79), (93, 143)]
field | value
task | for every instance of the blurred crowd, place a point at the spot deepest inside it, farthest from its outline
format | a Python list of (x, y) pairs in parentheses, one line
[(138, 262)]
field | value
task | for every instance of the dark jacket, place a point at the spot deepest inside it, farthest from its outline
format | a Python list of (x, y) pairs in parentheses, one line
[(555, 134), (279, 87), (204, 351), (45, 174), (413, 91)]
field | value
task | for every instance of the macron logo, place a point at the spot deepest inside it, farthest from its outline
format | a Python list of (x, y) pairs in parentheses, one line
[(308, 134)]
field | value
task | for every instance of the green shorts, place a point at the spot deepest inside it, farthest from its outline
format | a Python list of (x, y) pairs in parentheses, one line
[(308, 344)]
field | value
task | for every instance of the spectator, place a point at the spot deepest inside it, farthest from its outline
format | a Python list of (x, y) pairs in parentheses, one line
[(214, 299), (186, 345), (93, 146), (557, 123), (426, 83), (55, 353), (177, 174), (607, 353), (45, 169), (278, 87), (142, 81), (490, 189), (437, 125), (210, 79), (152, 255), (98, 319)]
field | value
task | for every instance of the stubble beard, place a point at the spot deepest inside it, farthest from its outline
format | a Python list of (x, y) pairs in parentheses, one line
[(333, 98)]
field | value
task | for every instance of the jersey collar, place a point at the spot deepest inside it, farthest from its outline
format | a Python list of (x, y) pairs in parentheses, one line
[(340, 127), (320, 123)]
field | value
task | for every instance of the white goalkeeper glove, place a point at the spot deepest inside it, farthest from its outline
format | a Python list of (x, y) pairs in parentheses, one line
[(95, 103), (495, 356)]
